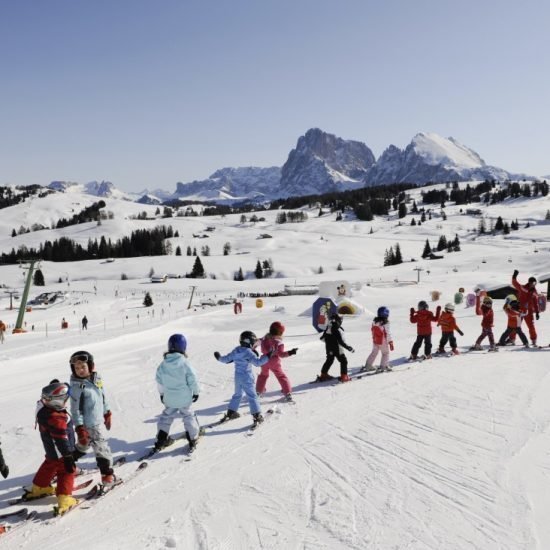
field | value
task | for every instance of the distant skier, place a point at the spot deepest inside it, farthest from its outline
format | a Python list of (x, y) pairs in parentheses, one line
[(485, 309), (272, 343), (448, 325), (4, 470), (515, 317), (237, 306), (528, 299), (334, 347), (423, 318), (2, 331), (243, 356), (91, 413), (57, 433), (382, 341), (84, 323), (179, 389)]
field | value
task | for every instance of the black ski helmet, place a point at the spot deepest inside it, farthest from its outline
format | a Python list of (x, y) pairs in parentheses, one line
[(336, 319), (247, 339), (82, 356), (422, 304)]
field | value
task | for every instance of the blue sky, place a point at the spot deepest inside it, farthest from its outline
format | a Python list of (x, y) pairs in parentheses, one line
[(149, 93)]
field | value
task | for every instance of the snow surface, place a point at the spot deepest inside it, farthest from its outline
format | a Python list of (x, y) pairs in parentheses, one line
[(445, 151), (450, 453)]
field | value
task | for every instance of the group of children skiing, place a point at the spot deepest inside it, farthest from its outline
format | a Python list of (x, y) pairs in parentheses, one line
[(66, 437)]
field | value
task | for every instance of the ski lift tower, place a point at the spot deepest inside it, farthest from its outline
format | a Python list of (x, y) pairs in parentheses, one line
[(22, 307)]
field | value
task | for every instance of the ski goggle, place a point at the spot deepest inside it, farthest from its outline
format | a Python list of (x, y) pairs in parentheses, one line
[(84, 358)]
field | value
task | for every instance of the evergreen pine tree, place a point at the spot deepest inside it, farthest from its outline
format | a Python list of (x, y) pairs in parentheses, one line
[(259, 272), (226, 249), (178, 250), (427, 250), (239, 275), (402, 210), (147, 301), (38, 278), (189, 251), (198, 270), (397, 257)]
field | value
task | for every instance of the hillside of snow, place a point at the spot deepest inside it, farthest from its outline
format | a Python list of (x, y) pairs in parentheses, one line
[(447, 453)]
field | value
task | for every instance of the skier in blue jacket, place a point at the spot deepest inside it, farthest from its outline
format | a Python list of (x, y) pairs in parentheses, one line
[(179, 388), (244, 356)]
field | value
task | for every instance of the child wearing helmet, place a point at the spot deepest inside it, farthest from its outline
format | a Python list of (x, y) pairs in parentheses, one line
[(423, 318), (511, 338), (448, 325), (179, 389), (243, 356), (272, 343), (485, 309), (91, 413), (514, 324), (57, 434), (334, 347), (382, 341)]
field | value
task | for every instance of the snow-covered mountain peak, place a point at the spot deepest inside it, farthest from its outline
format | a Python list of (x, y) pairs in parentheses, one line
[(447, 152)]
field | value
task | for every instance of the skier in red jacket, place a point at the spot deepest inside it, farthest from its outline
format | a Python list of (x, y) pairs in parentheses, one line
[(528, 299), (485, 309), (423, 318)]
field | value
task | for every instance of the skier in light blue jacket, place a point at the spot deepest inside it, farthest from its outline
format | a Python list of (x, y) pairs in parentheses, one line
[(179, 388), (244, 356)]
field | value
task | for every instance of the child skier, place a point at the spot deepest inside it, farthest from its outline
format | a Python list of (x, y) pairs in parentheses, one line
[(4, 470), (381, 341), (514, 324), (423, 318), (57, 433), (334, 346), (273, 342), (243, 356), (90, 410), (511, 338), (486, 311), (178, 387), (448, 325)]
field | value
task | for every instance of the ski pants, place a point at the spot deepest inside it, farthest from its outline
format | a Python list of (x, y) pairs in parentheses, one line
[(447, 337), (244, 383), (342, 359), (507, 335), (384, 349), (100, 446), (486, 332), (190, 422), (277, 370), (530, 322), (427, 339), (51, 468)]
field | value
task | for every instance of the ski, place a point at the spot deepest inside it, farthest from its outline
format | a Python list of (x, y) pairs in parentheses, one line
[(154, 450), (268, 414), (10, 528), (20, 512), (102, 490), (22, 499)]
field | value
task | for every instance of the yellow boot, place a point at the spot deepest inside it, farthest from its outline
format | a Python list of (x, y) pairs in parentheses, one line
[(64, 504), (38, 492)]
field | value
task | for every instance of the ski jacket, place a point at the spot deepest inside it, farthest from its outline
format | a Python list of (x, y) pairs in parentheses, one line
[(334, 340), (424, 319), (528, 298), (88, 401), (447, 322), (2, 326), (176, 381), (381, 333), (243, 358), (488, 316), (514, 317), (56, 431), (273, 344)]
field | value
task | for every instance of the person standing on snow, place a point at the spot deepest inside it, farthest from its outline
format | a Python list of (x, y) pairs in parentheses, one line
[(423, 318), (4, 470), (381, 341), (272, 343), (243, 356), (448, 325), (485, 309), (84, 323), (514, 324), (2, 331), (528, 299), (179, 389), (335, 346)]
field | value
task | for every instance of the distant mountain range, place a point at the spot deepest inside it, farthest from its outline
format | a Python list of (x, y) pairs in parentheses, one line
[(322, 163)]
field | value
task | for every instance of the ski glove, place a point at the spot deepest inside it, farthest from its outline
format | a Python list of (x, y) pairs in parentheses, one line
[(515, 274), (350, 349), (460, 332), (70, 466), (217, 355), (83, 436), (537, 316), (391, 346), (412, 310), (292, 351), (107, 417), (195, 398)]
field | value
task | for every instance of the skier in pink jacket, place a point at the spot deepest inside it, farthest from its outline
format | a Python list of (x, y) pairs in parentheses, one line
[(272, 341)]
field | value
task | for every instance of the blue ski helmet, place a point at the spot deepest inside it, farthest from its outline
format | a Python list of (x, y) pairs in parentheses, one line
[(177, 343), (383, 311)]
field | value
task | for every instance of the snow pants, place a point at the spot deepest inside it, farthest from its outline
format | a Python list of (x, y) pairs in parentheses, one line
[(506, 335), (427, 339), (447, 337), (484, 333), (51, 468), (384, 349), (277, 370), (342, 359), (190, 422), (244, 383), (100, 446), (530, 322)]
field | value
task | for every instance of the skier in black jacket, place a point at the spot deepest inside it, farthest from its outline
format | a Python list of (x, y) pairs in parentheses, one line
[(335, 345), (4, 470)]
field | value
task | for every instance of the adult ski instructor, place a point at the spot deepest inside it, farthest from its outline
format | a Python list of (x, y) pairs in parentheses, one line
[(528, 299)]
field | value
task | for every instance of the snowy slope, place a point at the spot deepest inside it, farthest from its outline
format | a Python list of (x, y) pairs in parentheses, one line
[(450, 453)]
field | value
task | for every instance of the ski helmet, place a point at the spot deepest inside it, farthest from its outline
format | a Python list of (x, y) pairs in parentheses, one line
[(487, 301), (450, 307), (247, 339), (532, 280), (383, 311), (55, 395), (510, 298), (177, 343), (422, 304), (82, 356), (336, 320), (276, 329)]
